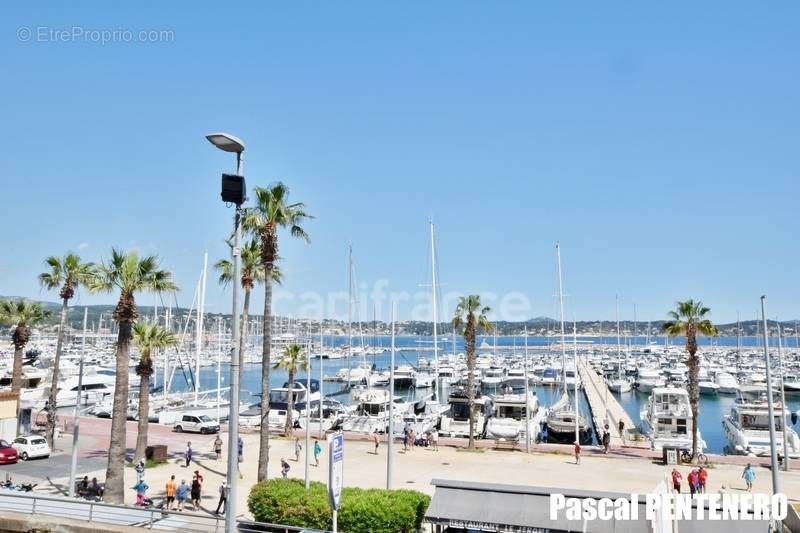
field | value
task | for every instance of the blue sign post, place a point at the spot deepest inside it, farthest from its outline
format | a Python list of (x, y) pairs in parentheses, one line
[(335, 472)]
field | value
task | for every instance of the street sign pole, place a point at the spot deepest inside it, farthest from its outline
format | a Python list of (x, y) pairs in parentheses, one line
[(335, 472)]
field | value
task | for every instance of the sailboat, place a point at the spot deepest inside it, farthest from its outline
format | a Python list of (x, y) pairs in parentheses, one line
[(620, 383), (564, 422)]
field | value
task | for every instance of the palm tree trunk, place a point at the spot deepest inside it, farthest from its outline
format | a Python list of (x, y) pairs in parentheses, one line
[(693, 387), (290, 407), (243, 329), (144, 417), (470, 334), (263, 451), (115, 482), (694, 397), (16, 376), (51, 400)]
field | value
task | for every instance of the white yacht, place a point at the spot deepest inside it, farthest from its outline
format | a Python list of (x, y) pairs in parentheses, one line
[(455, 422), (708, 388), (667, 419), (649, 379), (94, 389), (508, 419), (727, 383), (372, 411), (747, 425)]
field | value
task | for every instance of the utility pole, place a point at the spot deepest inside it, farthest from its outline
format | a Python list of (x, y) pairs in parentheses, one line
[(771, 408)]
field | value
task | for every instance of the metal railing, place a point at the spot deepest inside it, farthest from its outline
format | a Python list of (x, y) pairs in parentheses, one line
[(97, 512), (121, 515)]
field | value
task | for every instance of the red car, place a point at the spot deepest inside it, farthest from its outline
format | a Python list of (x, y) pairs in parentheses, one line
[(8, 455)]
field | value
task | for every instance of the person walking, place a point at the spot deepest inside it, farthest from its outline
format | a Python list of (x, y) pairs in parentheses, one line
[(195, 493), (223, 498), (169, 490), (376, 439), (405, 440), (435, 439), (676, 480), (297, 449), (702, 476), (284, 468), (577, 453), (317, 451), (749, 476), (188, 454), (218, 447), (240, 446), (139, 471), (693, 482), (606, 441), (182, 494), (141, 492), (622, 430), (412, 439)]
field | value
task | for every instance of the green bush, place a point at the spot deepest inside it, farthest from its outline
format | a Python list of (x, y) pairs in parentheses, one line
[(285, 501)]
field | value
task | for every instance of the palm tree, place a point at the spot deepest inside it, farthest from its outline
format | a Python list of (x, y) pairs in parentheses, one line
[(689, 318), (271, 212), (149, 339), (24, 314), (466, 321), (65, 274), (128, 273), (293, 359), (252, 272)]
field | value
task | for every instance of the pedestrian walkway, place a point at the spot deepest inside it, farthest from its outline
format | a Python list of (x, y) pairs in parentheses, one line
[(605, 408)]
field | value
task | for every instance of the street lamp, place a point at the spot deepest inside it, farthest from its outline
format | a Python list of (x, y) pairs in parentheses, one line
[(229, 143)]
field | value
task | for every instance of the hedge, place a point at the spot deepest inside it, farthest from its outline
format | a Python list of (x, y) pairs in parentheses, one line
[(286, 501)]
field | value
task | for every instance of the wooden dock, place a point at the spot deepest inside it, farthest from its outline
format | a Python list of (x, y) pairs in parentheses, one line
[(606, 409)]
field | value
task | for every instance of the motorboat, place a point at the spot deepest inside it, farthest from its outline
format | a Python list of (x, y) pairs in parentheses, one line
[(667, 419), (747, 425), (514, 416), (455, 422), (649, 379), (727, 383), (708, 388)]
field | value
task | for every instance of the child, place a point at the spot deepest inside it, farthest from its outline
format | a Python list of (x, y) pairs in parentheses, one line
[(141, 491), (317, 451), (284, 468), (749, 476)]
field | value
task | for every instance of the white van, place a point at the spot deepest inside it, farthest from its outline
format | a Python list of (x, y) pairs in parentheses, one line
[(196, 424)]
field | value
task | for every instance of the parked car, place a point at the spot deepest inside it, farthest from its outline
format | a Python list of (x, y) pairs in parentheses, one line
[(8, 455), (196, 424), (31, 447)]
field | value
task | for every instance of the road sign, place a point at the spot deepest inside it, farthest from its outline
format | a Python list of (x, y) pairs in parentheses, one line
[(335, 468)]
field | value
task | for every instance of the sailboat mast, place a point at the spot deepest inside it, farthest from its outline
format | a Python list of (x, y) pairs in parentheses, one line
[(435, 317), (619, 341), (783, 399), (199, 344), (575, 358), (561, 305), (527, 398), (349, 313)]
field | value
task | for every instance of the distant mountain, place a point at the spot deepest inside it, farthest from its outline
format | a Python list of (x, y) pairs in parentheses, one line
[(537, 326)]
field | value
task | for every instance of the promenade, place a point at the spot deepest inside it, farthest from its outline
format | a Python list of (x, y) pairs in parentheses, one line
[(624, 470)]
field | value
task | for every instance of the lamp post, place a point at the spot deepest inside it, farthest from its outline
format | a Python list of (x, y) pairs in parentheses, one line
[(230, 187), (770, 408)]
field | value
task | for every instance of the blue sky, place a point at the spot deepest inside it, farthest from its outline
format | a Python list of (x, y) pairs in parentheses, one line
[(657, 143)]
